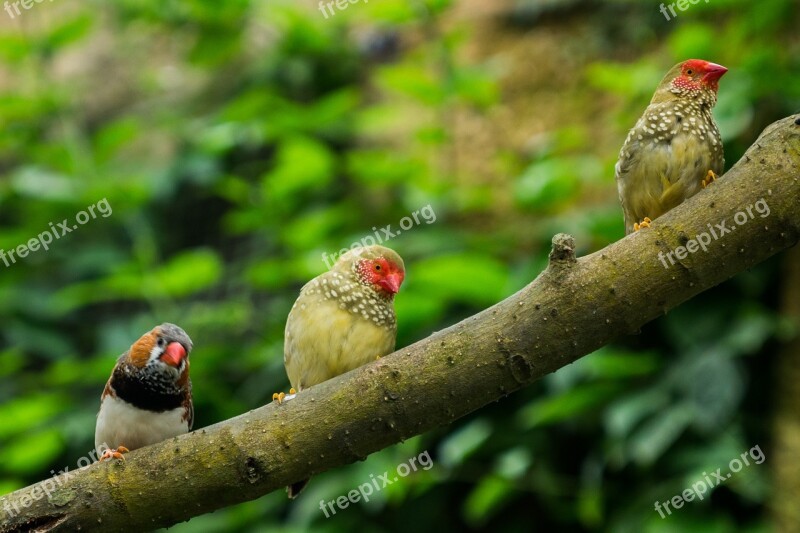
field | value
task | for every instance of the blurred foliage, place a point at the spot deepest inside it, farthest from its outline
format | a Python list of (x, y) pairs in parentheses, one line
[(238, 141)]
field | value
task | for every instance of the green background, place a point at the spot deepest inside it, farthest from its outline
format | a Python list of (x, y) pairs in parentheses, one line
[(237, 141)]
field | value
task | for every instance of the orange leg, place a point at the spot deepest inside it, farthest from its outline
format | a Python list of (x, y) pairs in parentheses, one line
[(709, 179), (645, 224), (280, 396), (114, 454)]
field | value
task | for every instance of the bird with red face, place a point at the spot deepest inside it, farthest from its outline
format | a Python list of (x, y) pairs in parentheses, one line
[(343, 319), (675, 148), (148, 397)]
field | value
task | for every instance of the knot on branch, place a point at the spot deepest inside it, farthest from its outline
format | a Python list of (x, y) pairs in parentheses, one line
[(252, 470), (521, 369), (40, 523), (563, 251)]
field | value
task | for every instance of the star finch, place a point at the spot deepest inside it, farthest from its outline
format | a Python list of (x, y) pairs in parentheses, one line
[(675, 147), (148, 397), (343, 319)]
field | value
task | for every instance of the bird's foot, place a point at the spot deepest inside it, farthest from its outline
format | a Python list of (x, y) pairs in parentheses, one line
[(644, 224), (709, 179), (280, 396), (114, 454)]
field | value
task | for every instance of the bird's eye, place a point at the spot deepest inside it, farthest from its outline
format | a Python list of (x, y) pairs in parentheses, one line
[(160, 342), (377, 268), (689, 72)]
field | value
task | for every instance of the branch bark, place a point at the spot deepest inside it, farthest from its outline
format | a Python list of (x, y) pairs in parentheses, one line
[(574, 307)]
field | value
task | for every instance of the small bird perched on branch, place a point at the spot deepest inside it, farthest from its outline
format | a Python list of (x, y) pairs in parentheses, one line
[(675, 148), (148, 397), (342, 320)]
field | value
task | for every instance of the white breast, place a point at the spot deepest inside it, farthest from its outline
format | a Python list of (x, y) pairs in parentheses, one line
[(122, 424)]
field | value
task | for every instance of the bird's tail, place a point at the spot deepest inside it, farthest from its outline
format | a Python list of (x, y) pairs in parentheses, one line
[(295, 488)]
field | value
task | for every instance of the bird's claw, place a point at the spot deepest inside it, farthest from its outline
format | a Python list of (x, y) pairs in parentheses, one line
[(280, 396), (710, 178), (114, 454), (644, 224)]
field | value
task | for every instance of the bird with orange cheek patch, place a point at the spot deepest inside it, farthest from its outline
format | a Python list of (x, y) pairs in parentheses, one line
[(675, 148), (343, 319), (148, 398)]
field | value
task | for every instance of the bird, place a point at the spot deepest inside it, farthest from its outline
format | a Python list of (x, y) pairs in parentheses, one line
[(343, 319), (675, 148), (148, 397)]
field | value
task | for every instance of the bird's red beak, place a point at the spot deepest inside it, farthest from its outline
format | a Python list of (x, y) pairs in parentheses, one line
[(714, 72), (174, 354), (391, 283)]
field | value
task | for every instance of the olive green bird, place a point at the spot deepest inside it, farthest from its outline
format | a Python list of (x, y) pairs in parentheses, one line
[(343, 319), (675, 148)]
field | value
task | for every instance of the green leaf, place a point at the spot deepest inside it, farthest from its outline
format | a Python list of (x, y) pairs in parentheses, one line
[(269, 274), (302, 164), (635, 80), (476, 86), (185, 274), (469, 278), (693, 40), (416, 310), (568, 405), (188, 273), (609, 362), (624, 414), (650, 442), (21, 415), (311, 227), (411, 80), (44, 184), (115, 136), (486, 499), (11, 361), (551, 184), (380, 167), (69, 32), (462, 443), (514, 463), (32, 452)]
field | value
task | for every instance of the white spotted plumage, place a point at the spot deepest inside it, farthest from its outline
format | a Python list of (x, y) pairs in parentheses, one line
[(673, 145), (340, 321)]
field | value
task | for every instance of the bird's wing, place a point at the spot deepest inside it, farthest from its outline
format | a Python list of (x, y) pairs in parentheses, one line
[(190, 420), (189, 406), (324, 340), (658, 169)]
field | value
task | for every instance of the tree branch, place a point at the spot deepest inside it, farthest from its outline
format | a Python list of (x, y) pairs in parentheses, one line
[(574, 307)]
